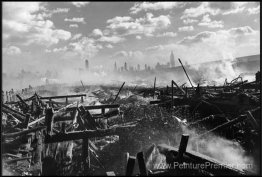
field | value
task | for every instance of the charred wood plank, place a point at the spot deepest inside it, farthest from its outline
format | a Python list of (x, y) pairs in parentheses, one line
[(141, 164), (62, 96), (12, 135), (86, 155), (225, 125), (14, 114), (49, 120), (154, 88), (118, 92), (182, 146), (17, 159), (38, 152), (86, 134), (130, 165), (12, 110), (96, 107)]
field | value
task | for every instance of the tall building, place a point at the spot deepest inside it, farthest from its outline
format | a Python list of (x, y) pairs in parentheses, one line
[(172, 60), (125, 66), (115, 69), (86, 64)]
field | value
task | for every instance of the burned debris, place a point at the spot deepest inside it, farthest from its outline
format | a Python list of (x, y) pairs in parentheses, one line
[(129, 130)]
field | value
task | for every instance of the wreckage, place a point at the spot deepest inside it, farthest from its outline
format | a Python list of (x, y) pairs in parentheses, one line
[(131, 130)]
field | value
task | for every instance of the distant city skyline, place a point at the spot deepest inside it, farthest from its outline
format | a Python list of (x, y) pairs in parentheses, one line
[(62, 35)]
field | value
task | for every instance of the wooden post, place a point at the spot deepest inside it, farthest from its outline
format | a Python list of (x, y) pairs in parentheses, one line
[(172, 100), (154, 88), (63, 129), (103, 111), (38, 154), (82, 85), (118, 92), (50, 102), (252, 120), (126, 157), (66, 101), (27, 118), (186, 73), (86, 155), (69, 150), (130, 165), (49, 119), (6, 96), (75, 116), (82, 99), (182, 146), (141, 164)]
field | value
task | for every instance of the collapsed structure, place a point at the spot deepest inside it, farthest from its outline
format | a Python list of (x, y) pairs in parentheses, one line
[(130, 130)]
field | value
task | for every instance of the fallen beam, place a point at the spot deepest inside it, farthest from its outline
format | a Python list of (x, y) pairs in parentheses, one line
[(16, 115), (12, 135), (87, 134), (227, 124), (103, 106), (17, 112), (130, 165), (62, 96), (17, 159), (118, 92)]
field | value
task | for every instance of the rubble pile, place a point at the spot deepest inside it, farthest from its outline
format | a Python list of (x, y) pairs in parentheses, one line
[(107, 129)]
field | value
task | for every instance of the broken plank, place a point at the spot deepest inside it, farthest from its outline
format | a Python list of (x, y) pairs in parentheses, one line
[(141, 164), (130, 165), (62, 96), (12, 135), (86, 134), (103, 106)]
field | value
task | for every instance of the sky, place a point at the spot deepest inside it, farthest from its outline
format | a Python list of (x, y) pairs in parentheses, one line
[(59, 36)]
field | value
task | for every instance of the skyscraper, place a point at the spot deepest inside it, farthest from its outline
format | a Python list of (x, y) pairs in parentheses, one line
[(115, 69), (86, 64), (172, 60), (125, 66)]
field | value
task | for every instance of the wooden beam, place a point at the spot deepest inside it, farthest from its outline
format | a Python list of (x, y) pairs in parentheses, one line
[(96, 107), (86, 134), (141, 164), (62, 96), (17, 159), (179, 87), (17, 116), (227, 124), (182, 147), (86, 155), (12, 135), (26, 121), (38, 153), (12, 110), (118, 92), (252, 120), (130, 165), (49, 120), (154, 88)]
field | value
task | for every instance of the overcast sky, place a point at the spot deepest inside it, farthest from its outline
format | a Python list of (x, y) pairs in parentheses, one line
[(61, 35)]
